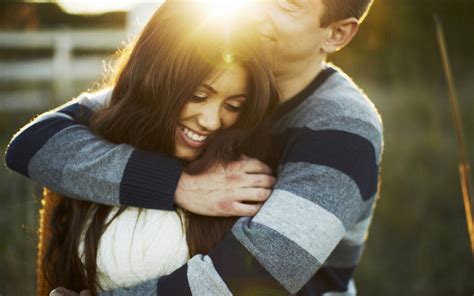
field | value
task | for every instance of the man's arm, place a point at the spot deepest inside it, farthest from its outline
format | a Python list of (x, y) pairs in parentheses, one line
[(328, 181), (58, 151)]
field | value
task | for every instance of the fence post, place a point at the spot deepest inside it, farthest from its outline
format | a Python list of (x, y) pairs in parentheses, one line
[(62, 66)]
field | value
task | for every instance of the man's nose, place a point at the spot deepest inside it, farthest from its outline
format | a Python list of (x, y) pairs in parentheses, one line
[(210, 118)]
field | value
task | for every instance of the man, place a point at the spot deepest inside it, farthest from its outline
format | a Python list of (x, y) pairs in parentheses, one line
[(308, 237)]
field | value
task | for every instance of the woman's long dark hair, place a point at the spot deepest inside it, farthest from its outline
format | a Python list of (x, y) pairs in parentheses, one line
[(176, 51)]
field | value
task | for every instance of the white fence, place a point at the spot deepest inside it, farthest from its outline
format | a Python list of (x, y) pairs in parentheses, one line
[(60, 70)]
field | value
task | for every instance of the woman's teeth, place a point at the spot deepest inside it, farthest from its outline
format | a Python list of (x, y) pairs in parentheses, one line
[(194, 136)]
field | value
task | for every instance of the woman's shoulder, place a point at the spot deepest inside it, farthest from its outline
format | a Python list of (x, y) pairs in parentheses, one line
[(141, 244)]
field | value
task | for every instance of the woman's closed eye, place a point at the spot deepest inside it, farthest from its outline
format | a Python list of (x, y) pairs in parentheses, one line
[(233, 107), (199, 96)]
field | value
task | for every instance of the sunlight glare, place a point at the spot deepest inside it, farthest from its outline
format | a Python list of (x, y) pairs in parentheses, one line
[(223, 11), (225, 8)]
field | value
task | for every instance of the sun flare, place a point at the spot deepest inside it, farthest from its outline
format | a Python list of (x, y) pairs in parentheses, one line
[(225, 9), (219, 9)]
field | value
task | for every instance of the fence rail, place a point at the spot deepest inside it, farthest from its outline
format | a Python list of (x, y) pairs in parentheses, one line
[(61, 69), (79, 39)]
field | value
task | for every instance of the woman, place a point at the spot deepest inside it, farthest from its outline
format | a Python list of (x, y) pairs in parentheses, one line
[(186, 89)]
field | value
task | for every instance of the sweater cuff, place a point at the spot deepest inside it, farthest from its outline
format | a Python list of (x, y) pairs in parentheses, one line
[(150, 181)]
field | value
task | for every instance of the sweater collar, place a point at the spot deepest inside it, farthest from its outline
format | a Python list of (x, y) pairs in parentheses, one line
[(300, 97)]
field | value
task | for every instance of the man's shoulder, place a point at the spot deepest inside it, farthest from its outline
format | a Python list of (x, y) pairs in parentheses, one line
[(95, 100), (338, 105), (337, 99)]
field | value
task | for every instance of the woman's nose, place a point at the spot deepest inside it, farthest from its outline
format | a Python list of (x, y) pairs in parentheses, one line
[(210, 118)]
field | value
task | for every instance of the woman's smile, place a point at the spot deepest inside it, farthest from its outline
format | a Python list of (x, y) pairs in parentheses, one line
[(191, 137)]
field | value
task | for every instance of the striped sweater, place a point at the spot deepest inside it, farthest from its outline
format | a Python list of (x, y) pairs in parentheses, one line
[(307, 238)]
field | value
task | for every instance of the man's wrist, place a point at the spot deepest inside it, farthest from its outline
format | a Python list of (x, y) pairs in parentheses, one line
[(150, 181), (179, 195)]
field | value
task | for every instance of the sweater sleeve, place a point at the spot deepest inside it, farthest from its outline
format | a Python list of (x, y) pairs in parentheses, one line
[(58, 151), (328, 179)]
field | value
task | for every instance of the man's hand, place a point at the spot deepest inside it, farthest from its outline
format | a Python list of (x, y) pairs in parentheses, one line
[(60, 291), (237, 189)]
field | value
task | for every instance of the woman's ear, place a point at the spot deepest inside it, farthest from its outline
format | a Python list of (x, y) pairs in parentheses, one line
[(340, 33)]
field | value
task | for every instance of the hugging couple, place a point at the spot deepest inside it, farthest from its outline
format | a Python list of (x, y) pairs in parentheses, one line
[(223, 160)]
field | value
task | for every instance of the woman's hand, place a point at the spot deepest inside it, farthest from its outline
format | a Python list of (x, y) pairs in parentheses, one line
[(237, 189)]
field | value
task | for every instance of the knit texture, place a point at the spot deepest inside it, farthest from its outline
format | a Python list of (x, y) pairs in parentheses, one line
[(307, 238), (139, 245), (58, 151)]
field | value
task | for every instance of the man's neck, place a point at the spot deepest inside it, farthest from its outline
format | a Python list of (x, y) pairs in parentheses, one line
[(296, 76)]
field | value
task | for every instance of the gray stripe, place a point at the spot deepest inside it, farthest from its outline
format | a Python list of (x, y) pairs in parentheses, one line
[(336, 98), (357, 233), (351, 99), (284, 259), (75, 159), (319, 231), (93, 101), (349, 251), (327, 187), (96, 100), (369, 207), (203, 278)]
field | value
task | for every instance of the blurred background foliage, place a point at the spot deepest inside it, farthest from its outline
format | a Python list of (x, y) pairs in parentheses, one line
[(418, 244)]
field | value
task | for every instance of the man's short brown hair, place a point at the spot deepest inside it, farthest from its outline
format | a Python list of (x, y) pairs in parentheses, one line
[(341, 9)]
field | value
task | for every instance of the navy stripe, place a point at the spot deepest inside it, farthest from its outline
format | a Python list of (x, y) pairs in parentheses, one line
[(328, 279), (174, 284), (346, 152), (80, 113), (149, 181), (29, 142), (241, 272)]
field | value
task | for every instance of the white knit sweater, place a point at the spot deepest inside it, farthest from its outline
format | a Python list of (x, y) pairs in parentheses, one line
[(139, 247)]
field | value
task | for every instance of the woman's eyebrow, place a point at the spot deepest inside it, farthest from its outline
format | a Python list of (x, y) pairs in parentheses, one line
[(210, 88), (214, 91), (238, 96)]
